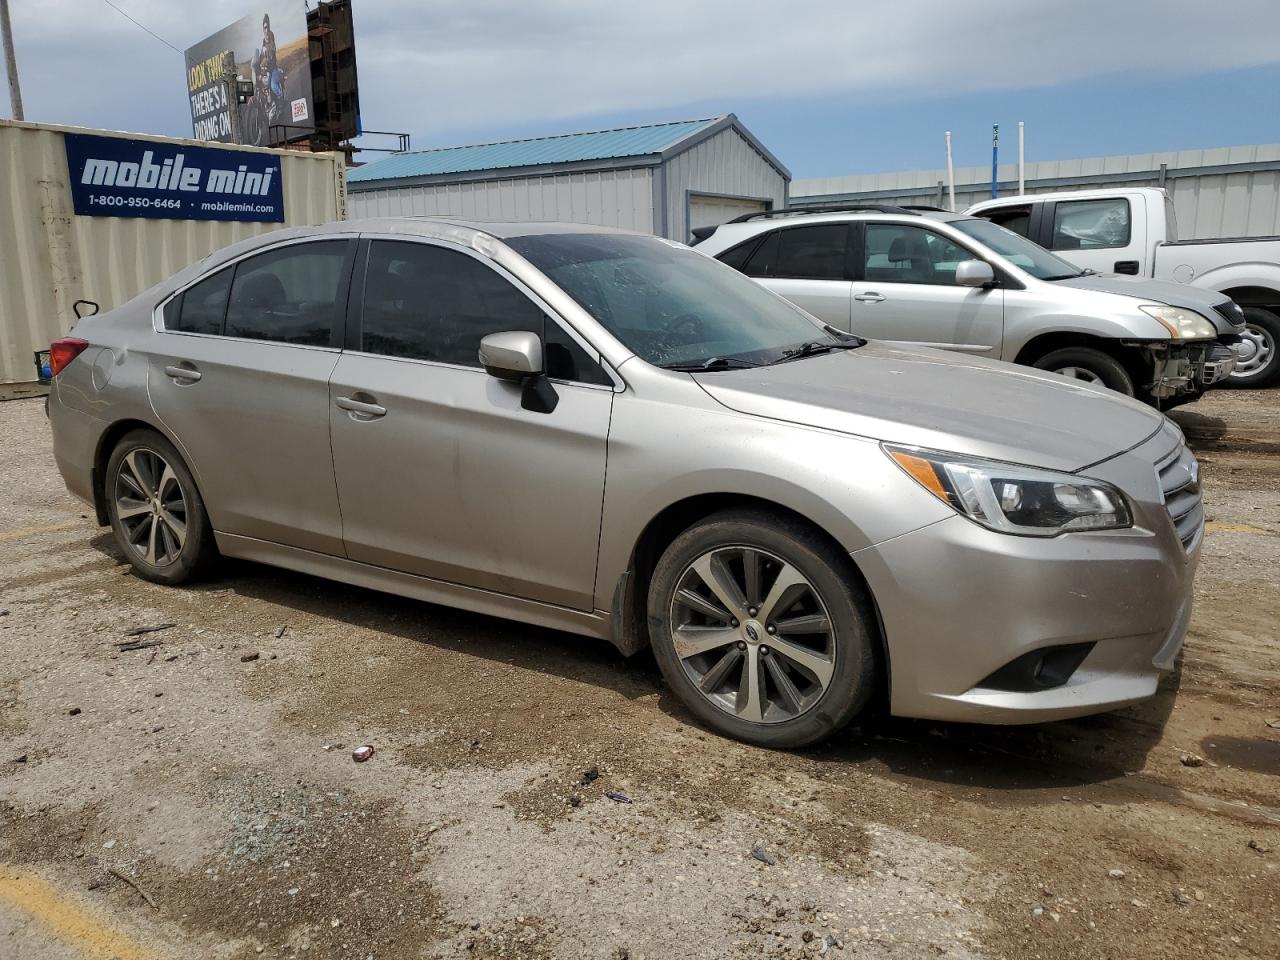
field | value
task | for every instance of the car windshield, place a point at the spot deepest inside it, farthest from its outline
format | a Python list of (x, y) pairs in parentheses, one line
[(670, 305), (1018, 250)]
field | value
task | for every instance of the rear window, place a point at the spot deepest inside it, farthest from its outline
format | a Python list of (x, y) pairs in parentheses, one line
[(201, 308), (291, 294)]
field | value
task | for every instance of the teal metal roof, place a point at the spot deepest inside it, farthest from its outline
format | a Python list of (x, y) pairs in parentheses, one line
[(538, 151)]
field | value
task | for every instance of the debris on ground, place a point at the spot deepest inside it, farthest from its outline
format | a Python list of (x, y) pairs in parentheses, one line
[(764, 856), (249, 657), (1259, 846), (1116, 874), (618, 796), (139, 631), (590, 777), (575, 800), (280, 632), (1180, 897), (73, 712), (142, 893), (137, 645), (361, 754), (1192, 760), (1274, 723)]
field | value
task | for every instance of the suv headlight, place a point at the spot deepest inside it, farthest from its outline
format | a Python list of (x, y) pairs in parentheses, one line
[(1013, 499), (1182, 324)]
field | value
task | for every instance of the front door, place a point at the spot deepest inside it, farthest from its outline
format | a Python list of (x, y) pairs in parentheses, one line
[(906, 291), (239, 375), (441, 471)]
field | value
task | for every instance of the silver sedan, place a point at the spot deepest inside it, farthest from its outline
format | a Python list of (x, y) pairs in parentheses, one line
[(615, 436)]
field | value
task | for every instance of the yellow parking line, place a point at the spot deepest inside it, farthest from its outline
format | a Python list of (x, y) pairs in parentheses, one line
[(32, 531), (1240, 528), (68, 921)]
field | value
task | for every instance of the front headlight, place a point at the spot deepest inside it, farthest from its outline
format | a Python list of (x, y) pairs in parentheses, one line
[(1182, 324), (1009, 498)]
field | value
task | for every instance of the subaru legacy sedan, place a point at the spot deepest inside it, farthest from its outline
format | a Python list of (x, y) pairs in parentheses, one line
[(613, 435)]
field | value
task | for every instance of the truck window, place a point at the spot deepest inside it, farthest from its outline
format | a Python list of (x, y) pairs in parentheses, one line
[(1091, 224), (1017, 219)]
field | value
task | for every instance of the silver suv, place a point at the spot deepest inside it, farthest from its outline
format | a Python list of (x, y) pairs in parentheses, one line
[(924, 277), (614, 435)]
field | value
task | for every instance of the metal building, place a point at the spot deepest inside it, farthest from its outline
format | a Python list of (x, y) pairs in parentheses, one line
[(662, 178), (1223, 192)]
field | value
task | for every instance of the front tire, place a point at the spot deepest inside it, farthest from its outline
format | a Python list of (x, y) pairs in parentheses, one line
[(156, 512), (760, 627), (1090, 366), (1258, 356)]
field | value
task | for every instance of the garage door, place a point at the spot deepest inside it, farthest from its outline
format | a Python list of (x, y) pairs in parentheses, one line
[(711, 211)]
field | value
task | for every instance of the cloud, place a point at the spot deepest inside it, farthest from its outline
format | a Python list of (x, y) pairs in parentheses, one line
[(442, 70)]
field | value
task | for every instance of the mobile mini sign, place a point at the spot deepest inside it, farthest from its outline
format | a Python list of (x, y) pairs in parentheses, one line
[(118, 177)]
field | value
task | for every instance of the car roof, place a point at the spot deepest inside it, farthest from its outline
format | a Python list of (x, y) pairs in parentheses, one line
[(743, 228)]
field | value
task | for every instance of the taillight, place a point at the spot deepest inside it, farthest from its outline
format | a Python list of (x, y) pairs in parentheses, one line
[(62, 352)]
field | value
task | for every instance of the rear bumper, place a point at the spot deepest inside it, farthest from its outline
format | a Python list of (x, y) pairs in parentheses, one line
[(959, 602), (75, 443)]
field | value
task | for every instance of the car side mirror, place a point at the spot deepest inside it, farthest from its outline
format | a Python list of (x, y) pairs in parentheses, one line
[(974, 273), (515, 355)]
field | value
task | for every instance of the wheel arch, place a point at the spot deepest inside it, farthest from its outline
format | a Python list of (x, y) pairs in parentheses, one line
[(1041, 344), (1251, 295), (629, 621), (107, 442)]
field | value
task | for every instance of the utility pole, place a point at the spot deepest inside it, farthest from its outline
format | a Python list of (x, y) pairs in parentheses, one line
[(995, 154), (15, 92)]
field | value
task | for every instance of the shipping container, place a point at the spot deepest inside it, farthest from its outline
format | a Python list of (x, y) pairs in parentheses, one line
[(61, 240)]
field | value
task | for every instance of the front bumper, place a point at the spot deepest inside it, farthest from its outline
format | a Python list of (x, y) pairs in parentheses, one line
[(1181, 369), (959, 602)]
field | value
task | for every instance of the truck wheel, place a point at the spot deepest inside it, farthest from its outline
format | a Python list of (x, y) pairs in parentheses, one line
[(1258, 354), (1089, 365), (761, 630)]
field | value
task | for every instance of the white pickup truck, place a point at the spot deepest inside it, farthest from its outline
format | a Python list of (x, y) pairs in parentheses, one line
[(1132, 230)]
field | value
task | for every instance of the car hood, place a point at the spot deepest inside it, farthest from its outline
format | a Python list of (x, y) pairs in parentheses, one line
[(1156, 291), (946, 401)]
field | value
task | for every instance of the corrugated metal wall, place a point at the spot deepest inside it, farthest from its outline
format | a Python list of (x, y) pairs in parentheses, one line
[(1221, 192), (725, 163), (607, 198), (49, 257)]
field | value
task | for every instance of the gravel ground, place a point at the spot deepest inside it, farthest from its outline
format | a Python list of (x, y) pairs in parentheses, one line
[(192, 799)]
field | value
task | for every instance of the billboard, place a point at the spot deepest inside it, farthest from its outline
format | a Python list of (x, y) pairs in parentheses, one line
[(269, 49), (120, 177)]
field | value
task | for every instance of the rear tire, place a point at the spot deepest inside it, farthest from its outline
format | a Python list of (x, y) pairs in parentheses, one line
[(156, 512), (1262, 343), (779, 651), (1090, 366)]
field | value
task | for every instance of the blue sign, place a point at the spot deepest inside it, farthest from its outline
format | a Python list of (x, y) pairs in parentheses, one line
[(118, 177)]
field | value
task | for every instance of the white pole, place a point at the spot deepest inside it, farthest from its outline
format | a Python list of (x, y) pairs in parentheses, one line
[(15, 92), (1022, 157), (951, 175)]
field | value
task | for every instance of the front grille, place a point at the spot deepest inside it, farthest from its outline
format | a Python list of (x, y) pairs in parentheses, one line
[(1180, 486), (1230, 311)]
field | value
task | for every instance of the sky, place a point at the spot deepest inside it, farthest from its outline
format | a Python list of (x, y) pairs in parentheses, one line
[(830, 86)]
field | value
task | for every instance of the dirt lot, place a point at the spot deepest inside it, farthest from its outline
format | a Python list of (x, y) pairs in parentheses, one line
[(191, 799)]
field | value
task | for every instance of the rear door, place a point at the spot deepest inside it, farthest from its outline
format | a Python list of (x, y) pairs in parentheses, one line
[(906, 291), (810, 266), (441, 471), (240, 377)]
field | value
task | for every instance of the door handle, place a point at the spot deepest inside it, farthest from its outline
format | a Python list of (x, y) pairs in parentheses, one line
[(1126, 266), (182, 372), (360, 409), (868, 297)]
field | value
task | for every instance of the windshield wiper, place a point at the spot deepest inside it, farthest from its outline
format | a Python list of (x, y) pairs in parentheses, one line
[(1070, 276), (712, 363), (813, 347)]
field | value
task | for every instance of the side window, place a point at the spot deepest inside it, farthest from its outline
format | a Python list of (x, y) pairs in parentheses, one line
[(1090, 224), (201, 307), (290, 295), (760, 263), (898, 253), (428, 303), (1017, 219), (736, 257), (812, 253)]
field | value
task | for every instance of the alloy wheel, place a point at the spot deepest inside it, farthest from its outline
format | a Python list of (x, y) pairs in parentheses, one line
[(151, 507), (1079, 373), (752, 634), (1253, 352)]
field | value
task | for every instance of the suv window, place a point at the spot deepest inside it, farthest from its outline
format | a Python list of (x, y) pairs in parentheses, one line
[(290, 295), (1017, 219), (424, 302), (899, 253), (201, 307), (817, 252), (1090, 224)]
